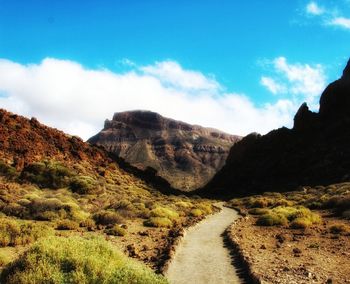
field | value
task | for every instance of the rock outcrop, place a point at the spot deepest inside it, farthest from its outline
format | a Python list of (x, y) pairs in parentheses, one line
[(315, 151), (185, 155)]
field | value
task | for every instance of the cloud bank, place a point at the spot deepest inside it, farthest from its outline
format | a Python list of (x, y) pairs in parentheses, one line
[(68, 96)]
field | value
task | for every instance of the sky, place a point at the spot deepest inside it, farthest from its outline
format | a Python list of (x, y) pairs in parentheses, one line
[(239, 66)]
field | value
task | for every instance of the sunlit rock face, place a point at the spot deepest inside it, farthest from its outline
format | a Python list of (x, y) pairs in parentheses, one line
[(186, 155)]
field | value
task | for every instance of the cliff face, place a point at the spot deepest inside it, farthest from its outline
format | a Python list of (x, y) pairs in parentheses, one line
[(315, 151), (185, 155)]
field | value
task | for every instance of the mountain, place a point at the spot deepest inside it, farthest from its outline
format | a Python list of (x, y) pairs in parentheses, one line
[(185, 155), (315, 151)]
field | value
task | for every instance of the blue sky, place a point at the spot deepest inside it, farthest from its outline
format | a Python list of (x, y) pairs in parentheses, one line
[(266, 56)]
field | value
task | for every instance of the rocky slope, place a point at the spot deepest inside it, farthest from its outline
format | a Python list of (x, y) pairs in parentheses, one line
[(185, 155), (315, 151), (26, 141)]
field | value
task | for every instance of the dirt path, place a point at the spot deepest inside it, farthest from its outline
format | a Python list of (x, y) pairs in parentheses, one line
[(201, 256)]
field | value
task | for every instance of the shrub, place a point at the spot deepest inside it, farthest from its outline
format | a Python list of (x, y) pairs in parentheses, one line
[(158, 222), (116, 231), (184, 204), (108, 218), (282, 215), (67, 225), (76, 260), (272, 219), (7, 171), (206, 208), (339, 229), (14, 233), (300, 223), (83, 184), (4, 259), (47, 174), (164, 212), (196, 212), (258, 211), (260, 203), (88, 224)]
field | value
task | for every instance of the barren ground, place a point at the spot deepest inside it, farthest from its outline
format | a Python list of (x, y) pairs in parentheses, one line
[(283, 255)]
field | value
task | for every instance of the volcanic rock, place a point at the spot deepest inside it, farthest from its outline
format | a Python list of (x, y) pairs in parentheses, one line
[(185, 155)]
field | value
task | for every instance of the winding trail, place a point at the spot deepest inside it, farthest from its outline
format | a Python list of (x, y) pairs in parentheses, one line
[(201, 257)]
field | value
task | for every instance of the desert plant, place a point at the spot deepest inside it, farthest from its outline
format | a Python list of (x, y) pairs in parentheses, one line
[(8, 171), (196, 212), (164, 212), (83, 184), (14, 232), (47, 174), (116, 231), (158, 222), (258, 211), (272, 219), (4, 259), (108, 218), (76, 260), (67, 225)]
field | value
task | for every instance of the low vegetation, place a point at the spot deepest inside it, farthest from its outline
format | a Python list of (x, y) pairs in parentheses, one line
[(76, 260), (51, 198)]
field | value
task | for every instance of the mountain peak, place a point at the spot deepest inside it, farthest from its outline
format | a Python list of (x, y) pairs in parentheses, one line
[(184, 154)]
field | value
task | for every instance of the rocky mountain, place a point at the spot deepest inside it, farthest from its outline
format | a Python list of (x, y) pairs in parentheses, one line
[(315, 151), (185, 155)]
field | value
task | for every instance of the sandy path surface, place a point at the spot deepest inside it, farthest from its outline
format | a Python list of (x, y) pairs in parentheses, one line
[(201, 256)]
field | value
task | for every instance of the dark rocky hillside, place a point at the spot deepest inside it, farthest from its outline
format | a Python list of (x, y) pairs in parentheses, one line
[(185, 155), (315, 151)]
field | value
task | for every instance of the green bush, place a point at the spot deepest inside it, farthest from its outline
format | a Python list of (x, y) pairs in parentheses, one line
[(88, 224), (67, 225), (205, 207), (108, 218), (76, 260), (7, 171), (258, 211), (158, 222), (272, 219), (300, 223), (164, 212), (116, 231), (196, 212), (47, 174), (4, 259), (282, 215), (13, 233), (83, 184)]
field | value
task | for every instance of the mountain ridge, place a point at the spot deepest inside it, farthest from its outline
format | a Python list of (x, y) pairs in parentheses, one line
[(186, 155), (315, 151)]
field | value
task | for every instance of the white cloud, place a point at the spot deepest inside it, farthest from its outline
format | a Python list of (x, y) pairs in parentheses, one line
[(331, 15), (314, 9), (170, 72), (272, 85), (65, 95), (304, 81), (340, 22)]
